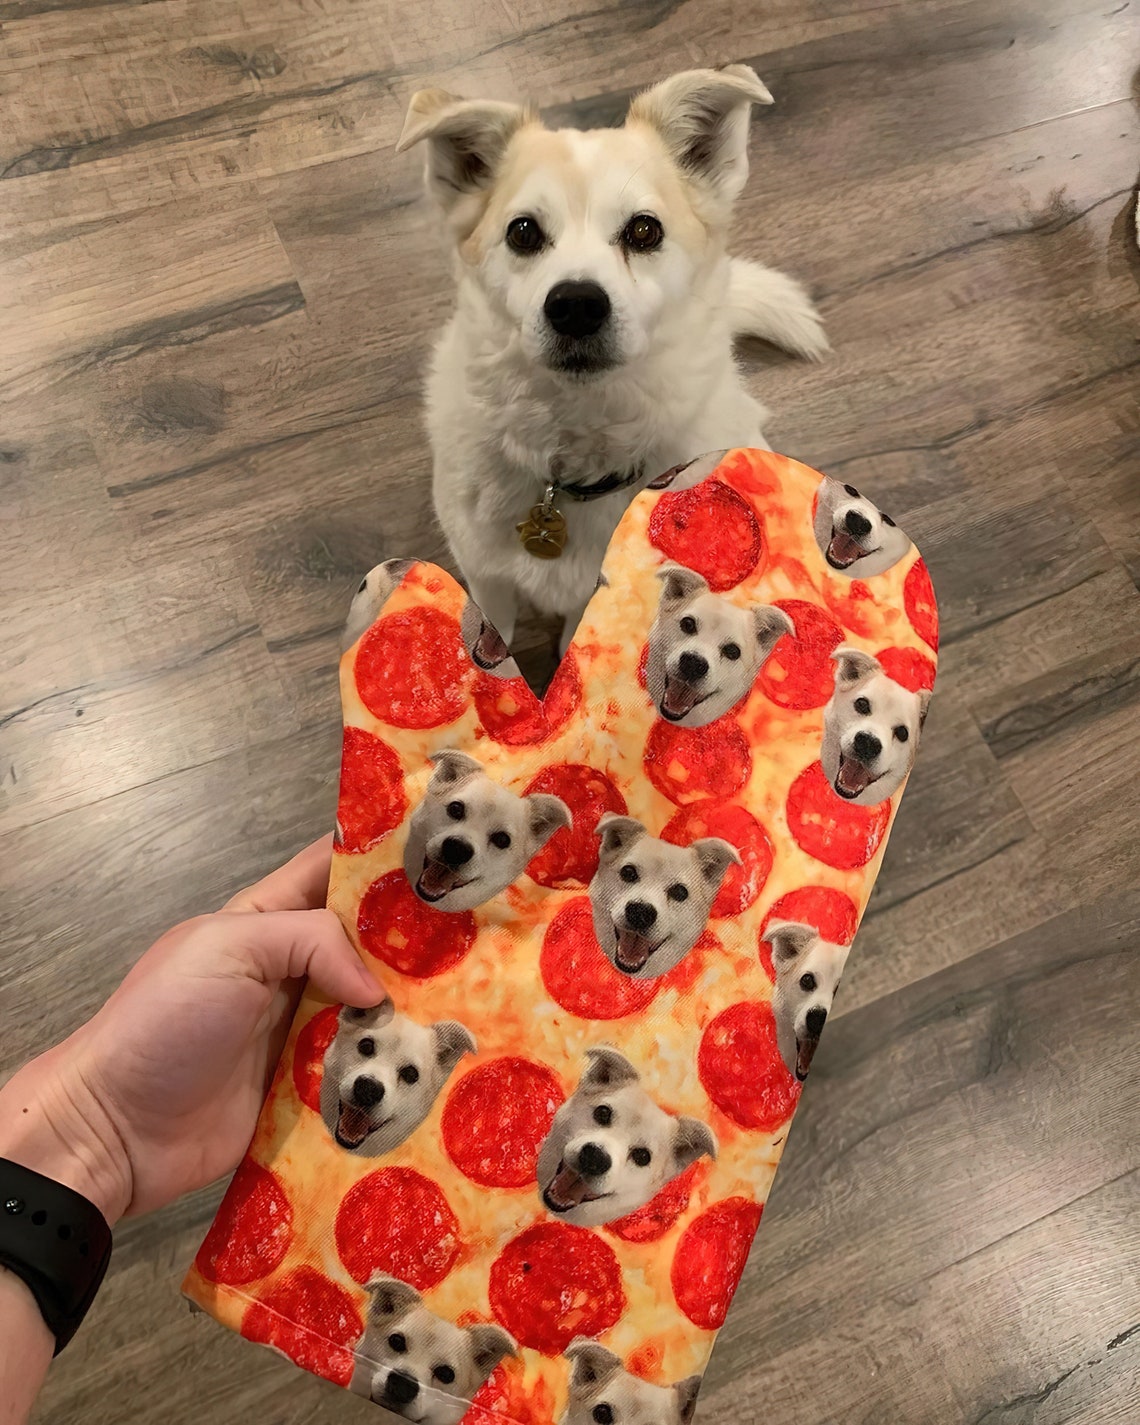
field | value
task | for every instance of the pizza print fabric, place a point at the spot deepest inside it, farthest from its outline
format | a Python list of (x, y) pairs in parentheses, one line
[(611, 924)]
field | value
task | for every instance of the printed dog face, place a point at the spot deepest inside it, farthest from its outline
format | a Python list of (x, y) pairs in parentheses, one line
[(704, 650), (370, 597), (382, 1073), (601, 1389), (417, 1365), (611, 1148), (853, 535), (584, 243), (651, 899), (485, 644), (808, 969), (688, 473), (470, 838), (870, 729)]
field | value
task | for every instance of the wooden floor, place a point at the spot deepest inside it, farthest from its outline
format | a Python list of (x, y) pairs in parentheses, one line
[(218, 288)]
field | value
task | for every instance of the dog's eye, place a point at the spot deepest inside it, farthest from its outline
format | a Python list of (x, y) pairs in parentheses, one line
[(902, 733), (641, 1156), (689, 624), (501, 839), (851, 490), (643, 233), (444, 1374), (363, 585), (628, 874), (409, 1074), (456, 811), (862, 706), (604, 1115), (807, 983), (603, 1415), (398, 1342), (886, 519), (367, 1047), (731, 651), (678, 892), (524, 235)]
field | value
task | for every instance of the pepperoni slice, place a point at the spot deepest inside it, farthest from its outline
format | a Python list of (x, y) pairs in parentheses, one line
[(397, 1221), (394, 925), (554, 1282), (252, 1231), (512, 715), (685, 763), (799, 672), (312, 1320), (833, 913), (710, 530), (309, 1055), (651, 1222), (710, 1259), (412, 669), (579, 977), (740, 1066), (833, 831), (741, 884), (495, 1119), (920, 604), (570, 857), (908, 667), (372, 798)]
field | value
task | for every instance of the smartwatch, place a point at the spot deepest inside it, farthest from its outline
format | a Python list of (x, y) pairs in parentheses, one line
[(56, 1242)]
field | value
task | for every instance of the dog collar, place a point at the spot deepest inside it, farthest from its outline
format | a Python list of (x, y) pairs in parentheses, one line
[(607, 485), (544, 532)]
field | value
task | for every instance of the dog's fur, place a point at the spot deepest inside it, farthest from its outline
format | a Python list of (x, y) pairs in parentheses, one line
[(853, 535), (509, 399), (611, 1149), (469, 838), (650, 899), (704, 650), (484, 644), (417, 1365), (383, 1072), (808, 970), (598, 1378), (375, 588), (870, 729)]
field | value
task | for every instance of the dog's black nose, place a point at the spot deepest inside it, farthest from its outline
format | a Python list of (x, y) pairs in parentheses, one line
[(400, 1388), (593, 1160), (455, 853), (692, 666), (816, 1019), (576, 309), (367, 1092), (866, 746), (857, 524), (640, 915)]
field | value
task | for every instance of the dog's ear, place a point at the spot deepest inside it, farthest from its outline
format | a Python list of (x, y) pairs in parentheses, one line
[(679, 584), (466, 139), (703, 116), (687, 1391), (375, 1018), (924, 696), (853, 665), (771, 624), (489, 1344), (592, 1365), (452, 1041), (618, 833), (547, 814), (389, 1297), (714, 857), (692, 1140), (451, 768), (789, 939), (606, 1068)]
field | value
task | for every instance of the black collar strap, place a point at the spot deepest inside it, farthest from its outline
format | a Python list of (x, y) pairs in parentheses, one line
[(615, 480)]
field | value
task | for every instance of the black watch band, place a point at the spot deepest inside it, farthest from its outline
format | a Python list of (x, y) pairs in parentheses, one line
[(56, 1242)]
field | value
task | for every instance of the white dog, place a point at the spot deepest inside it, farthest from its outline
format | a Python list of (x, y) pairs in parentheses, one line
[(808, 970), (591, 346), (854, 535), (601, 1389), (870, 729)]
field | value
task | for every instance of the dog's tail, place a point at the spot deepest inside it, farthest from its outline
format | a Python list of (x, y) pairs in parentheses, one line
[(773, 306)]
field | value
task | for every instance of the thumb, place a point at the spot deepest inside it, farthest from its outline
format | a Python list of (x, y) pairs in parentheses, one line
[(291, 944)]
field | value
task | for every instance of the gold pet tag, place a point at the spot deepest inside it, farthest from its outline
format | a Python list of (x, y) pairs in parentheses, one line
[(543, 532)]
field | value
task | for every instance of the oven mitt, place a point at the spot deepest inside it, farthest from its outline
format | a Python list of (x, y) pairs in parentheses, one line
[(611, 923)]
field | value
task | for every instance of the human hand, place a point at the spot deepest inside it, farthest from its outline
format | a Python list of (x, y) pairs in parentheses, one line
[(158, 1094)]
